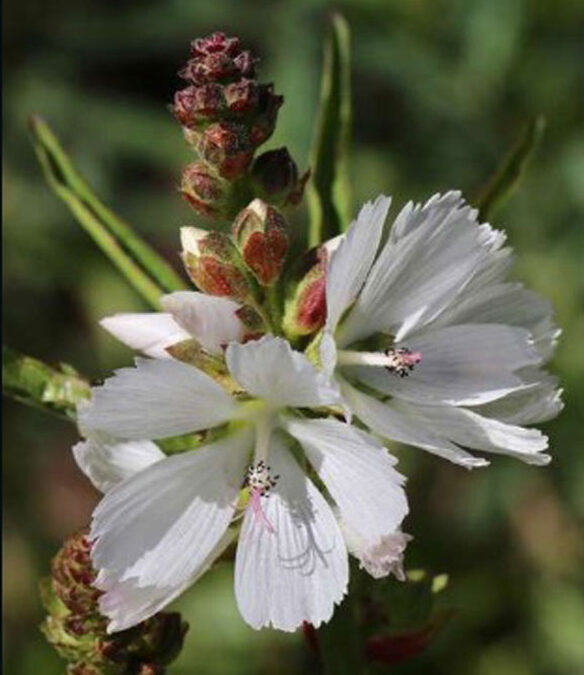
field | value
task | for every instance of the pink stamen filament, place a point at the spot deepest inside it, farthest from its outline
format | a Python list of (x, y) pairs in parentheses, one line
[(255, 501)]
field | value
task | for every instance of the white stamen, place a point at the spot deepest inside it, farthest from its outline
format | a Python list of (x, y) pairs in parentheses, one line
[(399, 360)]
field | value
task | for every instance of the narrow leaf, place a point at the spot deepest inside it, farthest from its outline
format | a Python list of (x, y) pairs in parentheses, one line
[(329, 191), (506, 177), (150, 274), (33, 382)]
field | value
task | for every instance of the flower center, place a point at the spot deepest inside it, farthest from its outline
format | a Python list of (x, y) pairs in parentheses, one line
[(402, 360), (396, 360), (258, 478)]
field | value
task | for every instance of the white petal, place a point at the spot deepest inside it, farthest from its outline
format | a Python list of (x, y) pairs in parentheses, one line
[(539, 402), (150, 333), (405, 426), (157, 399), (271, 370), (328, 353), (107, 463), (299, 571), (469, 429), (210, 320), (359, 474), (351, 261), (127, 604), (507, 304), (462, 365), (412, 216), (417, 276), (382, 559), (160, 526)]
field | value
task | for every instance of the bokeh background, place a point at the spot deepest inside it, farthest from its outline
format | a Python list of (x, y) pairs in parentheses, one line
[(441, 88)]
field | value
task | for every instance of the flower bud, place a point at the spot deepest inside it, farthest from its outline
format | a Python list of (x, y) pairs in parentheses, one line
[(77, 630), (213, 263), (305, 309), (242, 96), (206, 192), (259, 232), (227, 147), (196, 104), (264, 123), (253, 324), (73, 575), (275, 176), (216, 43)]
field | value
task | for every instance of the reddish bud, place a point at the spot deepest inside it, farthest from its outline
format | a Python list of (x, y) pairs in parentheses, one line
[(253, 323), (259, 232), (215, 43), (276, 177), (73, 574), (242, 96), (262, 126), (213, 263), (196, 104), (206, 192), (226, 146), (305, 311)]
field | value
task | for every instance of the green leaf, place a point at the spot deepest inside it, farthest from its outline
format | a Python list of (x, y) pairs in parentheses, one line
[(506, 177), (33, 382), (329, 190), (149, 274)]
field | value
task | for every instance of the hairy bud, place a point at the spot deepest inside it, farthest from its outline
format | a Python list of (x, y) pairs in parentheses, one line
[(305, 309), (213, 263), (77, 630), (208, 193), (275, 176), (227, 147), (259, 232)]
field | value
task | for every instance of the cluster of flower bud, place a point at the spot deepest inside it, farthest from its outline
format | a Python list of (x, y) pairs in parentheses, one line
[(226, 114), (234, 266), (77, 630)]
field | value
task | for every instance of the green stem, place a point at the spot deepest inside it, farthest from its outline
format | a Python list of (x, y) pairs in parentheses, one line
[(150, 274), (507, 175), (30, 381), (273, 301)]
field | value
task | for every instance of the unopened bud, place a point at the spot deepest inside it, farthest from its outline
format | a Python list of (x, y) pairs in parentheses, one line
[(253, 324), (259, 232), (213, 263), (206, 192), (196, 104), (242, 96), (73, 575), (305, 310), (216, 43), (227, 147), (77, 630), (275, 176), (264, 123)]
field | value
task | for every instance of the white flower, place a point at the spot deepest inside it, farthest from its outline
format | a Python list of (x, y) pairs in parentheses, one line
[(159, 528), (212, 321), (429, 343)]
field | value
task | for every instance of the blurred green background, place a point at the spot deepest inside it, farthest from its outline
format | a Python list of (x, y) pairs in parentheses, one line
[(441, 88)]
